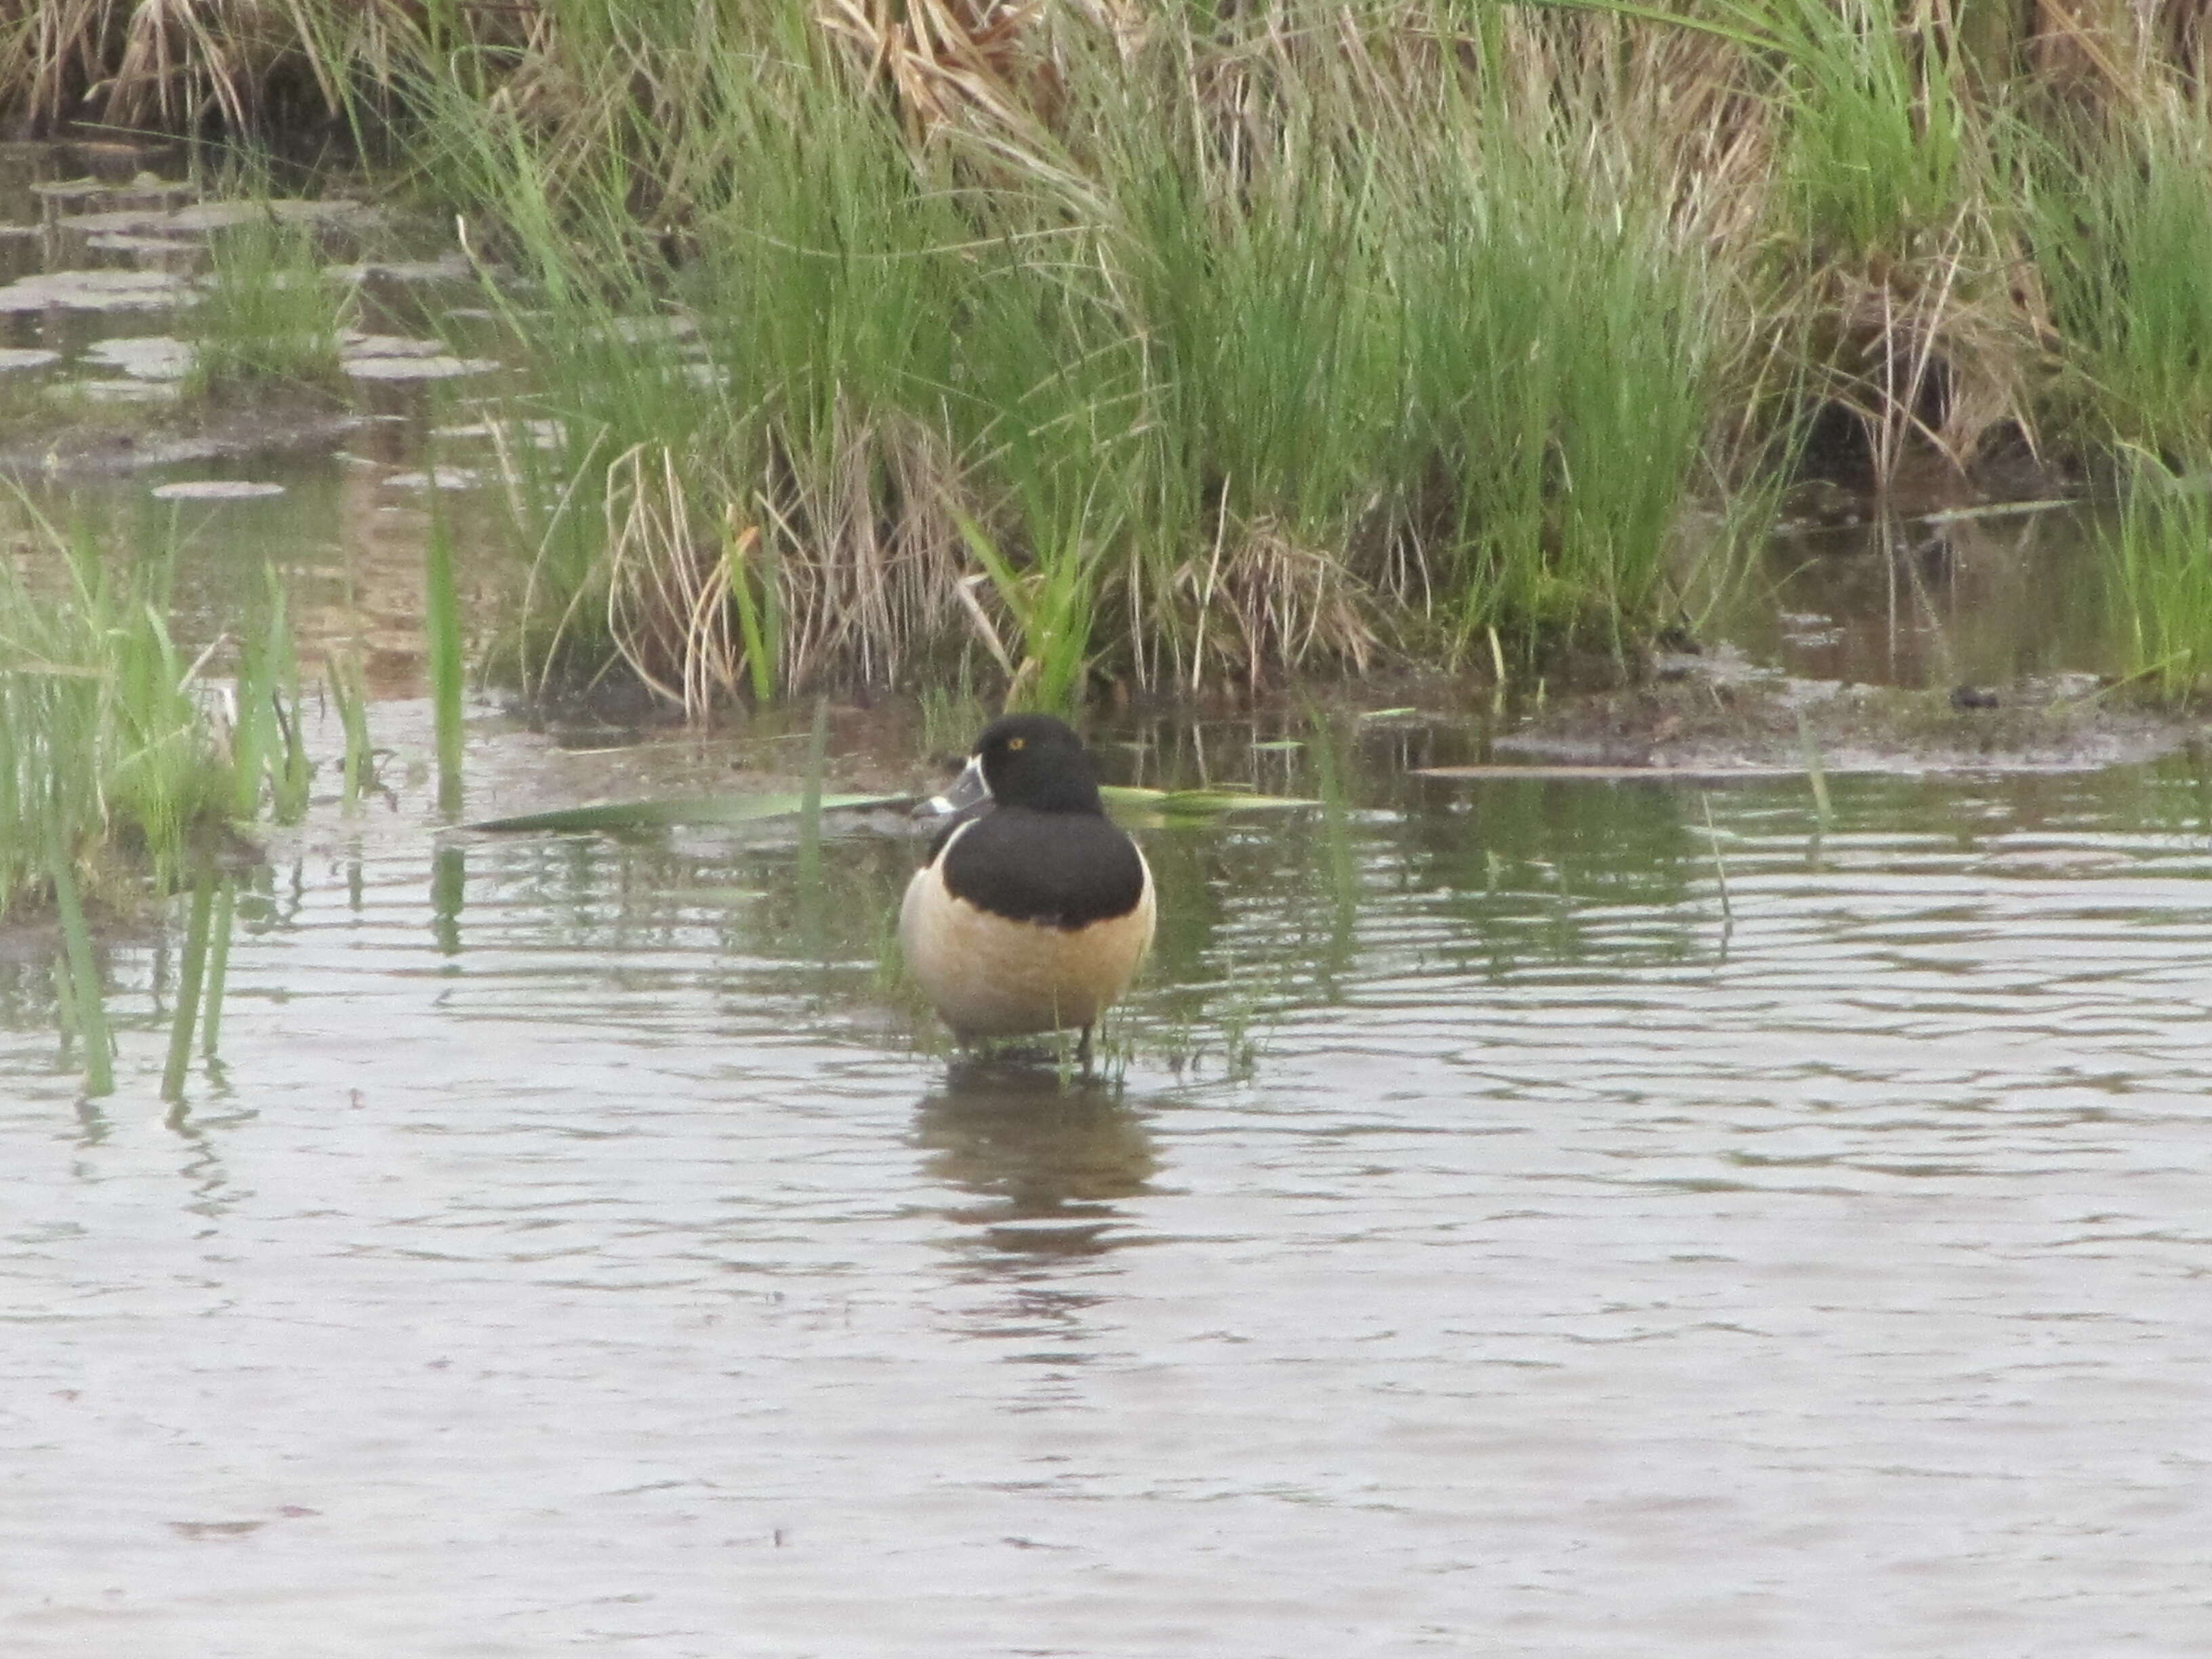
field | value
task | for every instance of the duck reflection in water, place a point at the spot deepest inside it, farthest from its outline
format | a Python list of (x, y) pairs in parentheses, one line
[(1045, 1163)]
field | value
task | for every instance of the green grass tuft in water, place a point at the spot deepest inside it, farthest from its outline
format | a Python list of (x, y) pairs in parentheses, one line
[(110, 740), (2158, 564), (119, 770), (266, 313)]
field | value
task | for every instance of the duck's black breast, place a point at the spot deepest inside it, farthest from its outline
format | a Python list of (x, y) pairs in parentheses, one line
[(1063, 870)]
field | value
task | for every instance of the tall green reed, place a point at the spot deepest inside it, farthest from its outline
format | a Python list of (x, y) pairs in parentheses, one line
[(109, 736), (117, 771), (442, 628), (1879, 149), (268, 741), (191, 976), (2158, 567), (2119, 224)]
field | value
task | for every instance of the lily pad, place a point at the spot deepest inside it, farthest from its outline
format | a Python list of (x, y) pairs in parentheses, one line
[(545, 434), (145, 221), (447, 267), (25, 357), (171, 253), (216, 490), (143, 356), (444, 477), (97, 290), (356, 344), (123, 392), (203, 216), (630, 815), (438, 368)]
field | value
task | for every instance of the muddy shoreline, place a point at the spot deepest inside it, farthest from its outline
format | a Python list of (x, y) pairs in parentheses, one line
[(1721, 715)]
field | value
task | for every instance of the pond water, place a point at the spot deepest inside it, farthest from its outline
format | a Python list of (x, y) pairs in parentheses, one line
[(1498, 1243), (1527, 1216)]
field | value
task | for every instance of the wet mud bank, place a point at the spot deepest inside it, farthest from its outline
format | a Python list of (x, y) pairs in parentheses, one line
[(1721, 714)]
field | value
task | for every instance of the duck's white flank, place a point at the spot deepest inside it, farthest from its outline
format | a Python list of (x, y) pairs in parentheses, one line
[(991, 977)]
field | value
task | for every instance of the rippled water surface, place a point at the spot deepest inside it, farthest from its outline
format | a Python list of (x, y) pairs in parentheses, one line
[(1499, 1244)]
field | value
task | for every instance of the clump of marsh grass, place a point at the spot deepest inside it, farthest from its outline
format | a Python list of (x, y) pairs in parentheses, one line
[(2158, 559), (108, 738), (119, 774), (121, 766), (1272, 379), (2120, 223), (266, 311)]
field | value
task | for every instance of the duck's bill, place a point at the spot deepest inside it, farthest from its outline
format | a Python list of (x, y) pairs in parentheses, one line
[(967, 793)]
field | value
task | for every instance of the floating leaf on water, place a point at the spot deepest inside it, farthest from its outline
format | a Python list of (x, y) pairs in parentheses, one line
[(628, 815), (149, 224), (97, 290), (216, 490), (415, 368), (199, 218), (1387, 714), (25, 357), (143, 356), (443, 477), (1193, 803), (357, 344), (447, 267), (123, 392), (546, 434)]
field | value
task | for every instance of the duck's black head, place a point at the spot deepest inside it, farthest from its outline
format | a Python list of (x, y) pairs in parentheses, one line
[(1035, 761)]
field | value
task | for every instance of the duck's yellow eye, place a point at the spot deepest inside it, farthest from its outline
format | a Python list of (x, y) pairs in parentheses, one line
[(1015, 743)]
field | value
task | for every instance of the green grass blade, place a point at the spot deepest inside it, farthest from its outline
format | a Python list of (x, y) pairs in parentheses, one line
[(441, 626), (192, 975), (226, 901)]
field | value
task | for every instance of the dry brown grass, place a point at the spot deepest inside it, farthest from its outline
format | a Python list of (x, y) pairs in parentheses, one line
[(182, 66), (865, 547)]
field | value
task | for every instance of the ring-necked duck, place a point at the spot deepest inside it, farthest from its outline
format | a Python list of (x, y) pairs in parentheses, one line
[(1034, 909)]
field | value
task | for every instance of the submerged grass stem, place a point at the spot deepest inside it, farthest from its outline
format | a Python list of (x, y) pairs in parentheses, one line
[(191, 976)]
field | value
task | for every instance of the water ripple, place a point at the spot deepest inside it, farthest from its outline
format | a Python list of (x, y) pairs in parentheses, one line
[(1502, 1243)]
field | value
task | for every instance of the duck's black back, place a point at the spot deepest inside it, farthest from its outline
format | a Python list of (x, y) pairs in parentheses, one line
[(1062, 869)]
